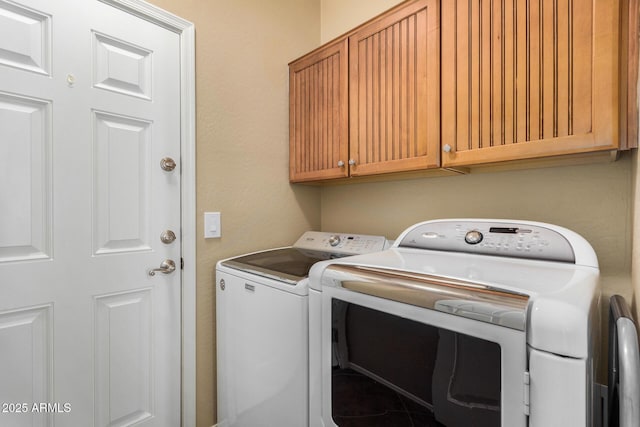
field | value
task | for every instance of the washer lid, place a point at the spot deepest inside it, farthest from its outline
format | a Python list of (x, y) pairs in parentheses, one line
[(287, 265)]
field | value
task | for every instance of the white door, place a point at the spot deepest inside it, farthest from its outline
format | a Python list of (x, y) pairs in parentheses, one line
[(89, 106)]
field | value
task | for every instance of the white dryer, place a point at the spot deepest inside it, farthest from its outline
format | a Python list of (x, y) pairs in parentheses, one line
[(461, 322), (262, 329)]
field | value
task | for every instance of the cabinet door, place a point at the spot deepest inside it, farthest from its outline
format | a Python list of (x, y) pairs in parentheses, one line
[(528, 78), (318, 114), (394, 84)]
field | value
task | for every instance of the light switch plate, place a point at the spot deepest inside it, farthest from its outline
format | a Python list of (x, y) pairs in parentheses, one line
[(212, 225)]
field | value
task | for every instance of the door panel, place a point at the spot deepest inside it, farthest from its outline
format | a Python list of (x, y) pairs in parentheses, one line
[(123, 355), (122, 183), (121, 67), (25, 140), (29, 334), (25, 38), (88, 108)]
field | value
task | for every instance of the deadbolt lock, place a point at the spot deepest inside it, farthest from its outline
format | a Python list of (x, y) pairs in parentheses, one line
[(167, 237), (167, 164)]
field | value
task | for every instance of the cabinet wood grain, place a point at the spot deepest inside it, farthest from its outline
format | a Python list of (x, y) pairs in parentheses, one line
[(528, 78), (462, 85), (318, 114), (394, 75)]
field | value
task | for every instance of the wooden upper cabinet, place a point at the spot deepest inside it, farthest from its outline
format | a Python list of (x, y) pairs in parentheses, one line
[(368, 103), (318, 114), (394, 91), (528, 78)]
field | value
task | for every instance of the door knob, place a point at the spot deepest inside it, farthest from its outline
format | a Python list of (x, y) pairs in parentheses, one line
[(167, 266)]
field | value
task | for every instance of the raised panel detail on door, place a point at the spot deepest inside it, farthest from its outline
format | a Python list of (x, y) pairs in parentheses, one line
[(25, 177), (26, 362), (25, 38), (394, 91), (527, 79), (124, 359), (318, 114), (122, 174), (121, 67)]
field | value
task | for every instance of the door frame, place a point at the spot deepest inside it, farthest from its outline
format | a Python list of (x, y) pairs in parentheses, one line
[(186, 32)]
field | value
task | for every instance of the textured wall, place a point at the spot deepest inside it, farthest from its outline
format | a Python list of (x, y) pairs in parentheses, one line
[(340, 16), (635, 256), (242, 51), (592, 200)]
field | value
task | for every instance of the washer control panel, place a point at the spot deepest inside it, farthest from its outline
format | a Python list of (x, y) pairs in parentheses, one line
[(337, 244), (491, 238)]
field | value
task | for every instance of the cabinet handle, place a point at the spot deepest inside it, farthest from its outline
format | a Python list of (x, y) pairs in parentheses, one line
[(340, 163), (352, 162), (446, 148)]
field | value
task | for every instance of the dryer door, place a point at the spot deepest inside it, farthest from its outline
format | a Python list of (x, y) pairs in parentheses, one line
[(385, 357)]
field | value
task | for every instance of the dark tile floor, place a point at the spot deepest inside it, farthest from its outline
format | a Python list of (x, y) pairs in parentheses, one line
[(359, 401)]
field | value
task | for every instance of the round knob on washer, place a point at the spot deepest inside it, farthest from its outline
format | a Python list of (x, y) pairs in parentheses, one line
[(473, 237), (334, 240)]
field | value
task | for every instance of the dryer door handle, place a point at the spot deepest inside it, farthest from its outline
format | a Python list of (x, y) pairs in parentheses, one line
[(462, 298)]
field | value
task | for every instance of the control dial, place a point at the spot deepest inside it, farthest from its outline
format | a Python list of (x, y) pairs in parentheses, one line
[(473, 237), (334, 240)]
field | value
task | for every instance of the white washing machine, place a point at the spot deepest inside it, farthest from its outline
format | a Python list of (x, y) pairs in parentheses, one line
[(461, 322), (262, 329)]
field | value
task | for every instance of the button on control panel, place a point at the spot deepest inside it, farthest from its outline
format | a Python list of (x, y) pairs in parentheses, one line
[(336, 244)]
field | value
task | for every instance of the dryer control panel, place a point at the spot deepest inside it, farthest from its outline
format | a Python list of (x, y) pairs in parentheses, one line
[(334, 245), (519, 240)]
